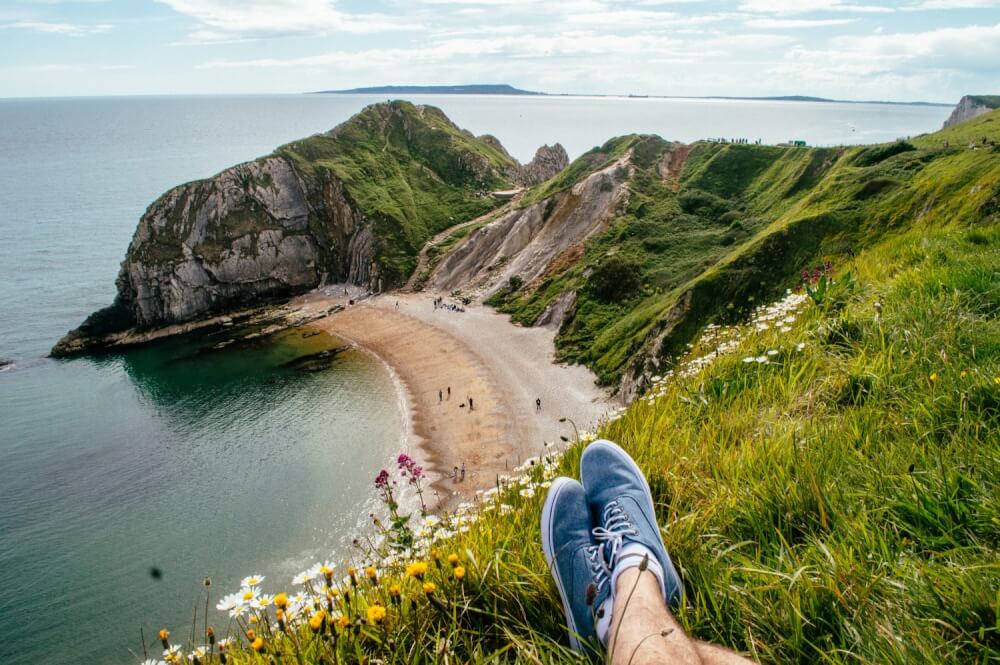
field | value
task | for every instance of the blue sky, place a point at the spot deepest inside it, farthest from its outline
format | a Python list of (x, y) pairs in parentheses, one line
[(906, 50)]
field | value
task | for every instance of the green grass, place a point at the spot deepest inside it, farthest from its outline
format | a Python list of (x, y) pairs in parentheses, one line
[(408, 169), (741, 226), (837, 504)]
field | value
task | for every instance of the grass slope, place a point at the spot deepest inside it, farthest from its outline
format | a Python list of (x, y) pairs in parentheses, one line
[(742, 224), (838, 503), (410, 170)]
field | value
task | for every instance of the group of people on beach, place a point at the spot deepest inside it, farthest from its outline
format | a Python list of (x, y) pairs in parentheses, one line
[(458, 474), (446, 396), (439, 303)]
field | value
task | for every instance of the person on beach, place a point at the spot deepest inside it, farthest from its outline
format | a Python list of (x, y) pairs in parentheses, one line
[(603, 547), (454, 475), (538, 404), (462, 472), (449, 392), (470, 404)]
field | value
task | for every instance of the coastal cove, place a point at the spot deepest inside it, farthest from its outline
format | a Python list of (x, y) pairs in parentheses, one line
[(190, 459)]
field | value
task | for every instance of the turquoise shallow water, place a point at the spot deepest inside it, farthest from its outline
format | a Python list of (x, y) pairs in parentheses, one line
[(215, 464)]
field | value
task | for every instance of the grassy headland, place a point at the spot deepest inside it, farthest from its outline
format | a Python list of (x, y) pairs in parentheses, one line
[(410, 170)]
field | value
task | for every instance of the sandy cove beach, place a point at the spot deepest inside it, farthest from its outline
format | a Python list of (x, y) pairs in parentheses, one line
[(479, 354)]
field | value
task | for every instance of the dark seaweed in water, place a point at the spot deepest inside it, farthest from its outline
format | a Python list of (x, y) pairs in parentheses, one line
[(315, 362)]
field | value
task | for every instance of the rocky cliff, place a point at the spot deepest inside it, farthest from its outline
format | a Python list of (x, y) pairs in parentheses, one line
[(526, 242), (352, 205), (972, 106)]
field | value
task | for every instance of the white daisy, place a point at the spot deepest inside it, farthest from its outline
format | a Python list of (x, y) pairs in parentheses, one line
[(253, 580)]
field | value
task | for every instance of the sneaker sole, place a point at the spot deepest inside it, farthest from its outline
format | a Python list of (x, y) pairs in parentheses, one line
[(621, 454), (550, 500)]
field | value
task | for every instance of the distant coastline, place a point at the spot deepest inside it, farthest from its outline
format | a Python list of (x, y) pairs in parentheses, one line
[(509, 90)]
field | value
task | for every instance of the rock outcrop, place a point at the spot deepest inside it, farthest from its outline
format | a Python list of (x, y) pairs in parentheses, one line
[(970, 107), (549, 161)]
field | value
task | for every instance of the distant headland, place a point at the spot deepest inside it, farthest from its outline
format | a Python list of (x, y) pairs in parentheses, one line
[(507, 89), (473, 89)]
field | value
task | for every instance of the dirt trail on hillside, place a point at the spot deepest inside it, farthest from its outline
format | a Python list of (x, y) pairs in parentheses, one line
[(423, 260)]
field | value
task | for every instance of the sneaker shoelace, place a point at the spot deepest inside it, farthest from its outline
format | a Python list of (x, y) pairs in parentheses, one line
[(616, 525), (598, 568)]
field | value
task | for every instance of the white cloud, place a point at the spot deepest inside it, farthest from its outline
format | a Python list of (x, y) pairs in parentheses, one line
[(807, 6), (955, 4), (68, 29), (793, 23), (234, 20), (946, 58)]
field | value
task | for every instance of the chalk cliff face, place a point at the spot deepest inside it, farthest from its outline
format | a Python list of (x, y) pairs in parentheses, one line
[(242, 235), (527, 241), (970, 107), (352, 205)]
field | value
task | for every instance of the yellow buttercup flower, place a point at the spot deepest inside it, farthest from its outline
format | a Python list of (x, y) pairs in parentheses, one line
[(371, 574), (417, 569), (996, 380), (342, 622), (963, 374), (316, 621), (258, 644), (395, 591), (164, 634), (281, 600), (933, 377), (376, 613), (459, 572), (453, 559), (430, 587)]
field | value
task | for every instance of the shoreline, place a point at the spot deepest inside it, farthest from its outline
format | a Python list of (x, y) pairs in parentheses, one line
[(479, 354)]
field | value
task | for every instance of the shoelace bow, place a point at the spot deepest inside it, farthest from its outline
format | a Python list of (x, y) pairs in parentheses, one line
[(616, 526)]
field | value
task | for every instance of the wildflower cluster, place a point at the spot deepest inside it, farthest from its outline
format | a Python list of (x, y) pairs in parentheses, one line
[(718, 341)]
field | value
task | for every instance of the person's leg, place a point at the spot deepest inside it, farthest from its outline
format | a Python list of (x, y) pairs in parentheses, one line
[(643, 631), (643, 578)]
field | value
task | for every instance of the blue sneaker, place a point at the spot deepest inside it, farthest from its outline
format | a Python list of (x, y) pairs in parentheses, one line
[(575, 561), (622, 506)]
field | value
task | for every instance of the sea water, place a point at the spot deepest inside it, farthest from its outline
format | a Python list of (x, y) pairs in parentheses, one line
[(197, 463)]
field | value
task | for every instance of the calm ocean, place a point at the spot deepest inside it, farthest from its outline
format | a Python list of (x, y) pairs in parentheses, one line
[(217, 464)]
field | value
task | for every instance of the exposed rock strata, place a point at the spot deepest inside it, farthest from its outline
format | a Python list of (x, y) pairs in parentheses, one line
[(526, 241)]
